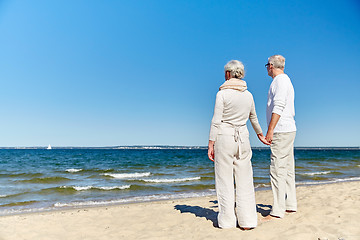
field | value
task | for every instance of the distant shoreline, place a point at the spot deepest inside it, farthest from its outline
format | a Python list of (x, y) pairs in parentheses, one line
[(158, 147)]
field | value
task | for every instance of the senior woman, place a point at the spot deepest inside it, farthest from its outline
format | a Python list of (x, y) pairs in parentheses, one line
[(229, 148)]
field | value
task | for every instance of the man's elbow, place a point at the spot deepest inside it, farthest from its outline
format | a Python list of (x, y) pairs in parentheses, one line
[(278, 110)]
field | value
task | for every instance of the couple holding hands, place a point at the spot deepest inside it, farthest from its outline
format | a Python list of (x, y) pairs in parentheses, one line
[(229, 145)]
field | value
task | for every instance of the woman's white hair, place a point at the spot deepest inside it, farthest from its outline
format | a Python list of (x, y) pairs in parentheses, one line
[(277, 61), (236, 69)]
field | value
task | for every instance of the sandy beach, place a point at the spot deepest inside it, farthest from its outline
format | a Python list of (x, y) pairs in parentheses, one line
[(325, 212)]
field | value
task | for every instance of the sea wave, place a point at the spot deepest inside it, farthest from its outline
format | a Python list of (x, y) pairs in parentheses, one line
[(262, 185), (208, 174), (84, 188), (148, 198), (127, 175), (73, 170), (98, 170), (45, 180), (196, 186), (14, 195), (170, 180), (22, 210), (16, 175), (24, 203), (316, 173), (329, 181)]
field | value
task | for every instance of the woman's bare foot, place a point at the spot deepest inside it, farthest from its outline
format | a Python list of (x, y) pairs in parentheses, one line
[(246, 229)]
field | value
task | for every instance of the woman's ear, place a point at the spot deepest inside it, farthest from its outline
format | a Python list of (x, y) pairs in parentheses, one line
[(227, 75)]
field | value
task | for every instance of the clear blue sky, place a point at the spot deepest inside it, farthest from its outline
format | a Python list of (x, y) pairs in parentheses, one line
[(104, 73)]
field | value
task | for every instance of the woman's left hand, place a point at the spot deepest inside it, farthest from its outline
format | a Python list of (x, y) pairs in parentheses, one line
[(263, 139), (211, 154)]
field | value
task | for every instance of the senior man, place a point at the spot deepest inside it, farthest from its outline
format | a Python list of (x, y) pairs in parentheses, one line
[(281, 133)]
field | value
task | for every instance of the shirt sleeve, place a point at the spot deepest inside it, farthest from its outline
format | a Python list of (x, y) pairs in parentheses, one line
[(279, 93), (216, 120), (253, 118)]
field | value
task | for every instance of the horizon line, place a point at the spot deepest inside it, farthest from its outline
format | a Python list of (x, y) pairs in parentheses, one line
[(165, 146)]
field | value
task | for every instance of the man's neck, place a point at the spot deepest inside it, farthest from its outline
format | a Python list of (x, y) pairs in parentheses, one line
[(277, 72)]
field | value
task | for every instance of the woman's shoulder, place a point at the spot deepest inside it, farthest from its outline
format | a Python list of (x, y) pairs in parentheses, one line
[(231, 93), (247, 92)]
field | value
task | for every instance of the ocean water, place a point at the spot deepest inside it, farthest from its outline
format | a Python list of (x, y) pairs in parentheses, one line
[(38, 179)]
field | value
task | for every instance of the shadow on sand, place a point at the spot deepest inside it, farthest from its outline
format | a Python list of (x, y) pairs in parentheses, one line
[(207, 213), (211, 215), (264, 210)]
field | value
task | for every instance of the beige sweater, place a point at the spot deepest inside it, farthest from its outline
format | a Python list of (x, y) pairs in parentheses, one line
[(234, 107)]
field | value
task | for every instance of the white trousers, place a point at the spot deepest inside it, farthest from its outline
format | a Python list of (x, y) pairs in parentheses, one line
[(231, 165), (282, 173)]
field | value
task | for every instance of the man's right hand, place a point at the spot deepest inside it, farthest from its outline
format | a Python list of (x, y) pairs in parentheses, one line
[(211, 150), (269, 136)]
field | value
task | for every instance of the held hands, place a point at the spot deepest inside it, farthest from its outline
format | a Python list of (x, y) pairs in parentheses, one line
[(263, 139), (269, 136), (211, 150)]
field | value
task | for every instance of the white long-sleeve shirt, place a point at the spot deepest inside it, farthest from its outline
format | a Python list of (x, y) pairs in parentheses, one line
[(233, 107), (281, 98)]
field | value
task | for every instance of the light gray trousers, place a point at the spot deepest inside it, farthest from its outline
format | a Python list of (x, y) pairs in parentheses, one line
[(230, 165), (282, 173)]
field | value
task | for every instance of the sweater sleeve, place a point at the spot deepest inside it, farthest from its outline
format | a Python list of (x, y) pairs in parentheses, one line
[(279, 92), (216, 120), (253, 118)]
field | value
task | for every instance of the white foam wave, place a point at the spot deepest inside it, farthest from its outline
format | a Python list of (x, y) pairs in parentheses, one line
[(316, 173), (262, 185), (329, 181), (211, 192), (116, 187), (17, 211), (165, 180), (127, 175), (73, 170), (2, 196), (84, 188)]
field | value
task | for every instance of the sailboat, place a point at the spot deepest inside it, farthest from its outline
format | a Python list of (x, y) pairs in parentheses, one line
[(49, 147)]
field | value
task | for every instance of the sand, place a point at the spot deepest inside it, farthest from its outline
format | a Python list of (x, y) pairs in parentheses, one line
[(328, 211)]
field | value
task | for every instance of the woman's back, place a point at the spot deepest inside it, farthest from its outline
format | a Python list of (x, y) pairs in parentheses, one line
[(233, 107), (237, 106)]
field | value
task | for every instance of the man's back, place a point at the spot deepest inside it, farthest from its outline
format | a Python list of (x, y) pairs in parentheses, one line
[(281, 101)]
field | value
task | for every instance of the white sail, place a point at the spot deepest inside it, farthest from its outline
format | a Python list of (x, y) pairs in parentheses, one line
[(49, 147)]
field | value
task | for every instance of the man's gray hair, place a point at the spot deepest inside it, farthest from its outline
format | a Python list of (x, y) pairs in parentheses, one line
[(236, 69), (277, 61)]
